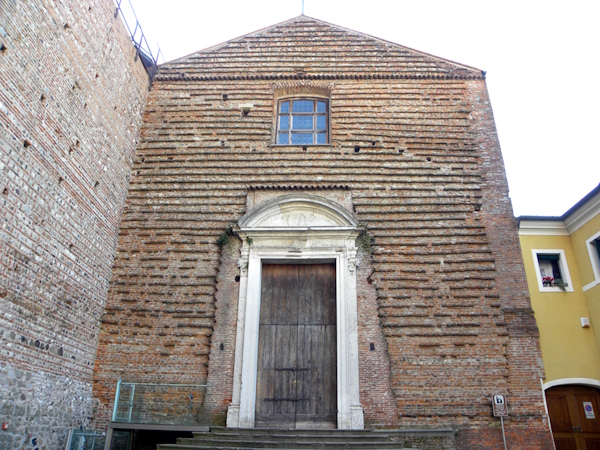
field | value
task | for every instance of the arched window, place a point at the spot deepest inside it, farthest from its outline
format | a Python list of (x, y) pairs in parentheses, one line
[(302, 121)]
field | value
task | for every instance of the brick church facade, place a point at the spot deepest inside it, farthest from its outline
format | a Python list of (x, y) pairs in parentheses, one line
[(306, 142), (315, 223)]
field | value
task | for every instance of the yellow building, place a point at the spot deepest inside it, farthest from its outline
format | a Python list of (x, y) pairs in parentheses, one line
[(562, 264)]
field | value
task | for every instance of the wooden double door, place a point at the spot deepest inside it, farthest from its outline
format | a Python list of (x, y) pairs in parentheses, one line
[(575, 417), (297, 353)]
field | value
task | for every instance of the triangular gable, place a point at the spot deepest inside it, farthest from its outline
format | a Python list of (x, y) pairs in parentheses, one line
[(309, 47)]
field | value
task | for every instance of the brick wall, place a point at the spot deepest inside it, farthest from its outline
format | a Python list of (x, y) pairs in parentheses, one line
[(71, 98), (222, 352), (522, 349), (441, 292)]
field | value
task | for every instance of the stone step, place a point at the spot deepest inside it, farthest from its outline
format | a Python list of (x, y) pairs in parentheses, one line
[(220, 438), (219, 431), (271, 443), (276, 446), (326, 431), (291, 436), (316, 431)]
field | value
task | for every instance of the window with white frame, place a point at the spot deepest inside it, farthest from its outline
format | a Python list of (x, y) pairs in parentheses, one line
[(593, 246), (302, 121), (552, 271)]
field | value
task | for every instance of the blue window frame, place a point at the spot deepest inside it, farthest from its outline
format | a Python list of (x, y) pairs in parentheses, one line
[(302, 121)]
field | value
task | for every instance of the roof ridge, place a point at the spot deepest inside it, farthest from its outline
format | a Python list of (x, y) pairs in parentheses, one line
[(305, 18), (323, 76), (223, 44), (385, 41)]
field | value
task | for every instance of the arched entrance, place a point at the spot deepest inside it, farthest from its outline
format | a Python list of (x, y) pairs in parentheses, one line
[(298, 261)]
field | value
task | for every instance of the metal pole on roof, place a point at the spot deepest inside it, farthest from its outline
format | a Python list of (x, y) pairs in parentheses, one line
[(302, 7), (158, 54)]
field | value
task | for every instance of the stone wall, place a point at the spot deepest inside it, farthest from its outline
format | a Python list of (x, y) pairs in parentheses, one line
[(40, 407), (71, 99)]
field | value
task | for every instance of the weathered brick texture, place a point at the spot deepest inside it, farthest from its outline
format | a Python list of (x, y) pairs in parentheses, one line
[(222, 352), (442, 294), (71, 99), (376, 394)]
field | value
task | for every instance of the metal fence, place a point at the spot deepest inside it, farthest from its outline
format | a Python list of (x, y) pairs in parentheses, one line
[(144, 52), (161, 404), (85, 440)]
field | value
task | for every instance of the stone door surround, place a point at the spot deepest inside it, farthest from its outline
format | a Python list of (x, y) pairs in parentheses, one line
[(297, 228)]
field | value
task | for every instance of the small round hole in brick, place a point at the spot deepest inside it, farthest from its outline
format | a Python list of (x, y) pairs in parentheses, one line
[(224, 97), (96, 184), (356, 149), (429, 158), (60, 180), (237, 278), (400, 151), (304, 148), (373, 143), (5, 191)]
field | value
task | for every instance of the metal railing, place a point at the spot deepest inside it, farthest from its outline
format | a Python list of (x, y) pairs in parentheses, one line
[(85, 440), (161, 404), (138, 38)]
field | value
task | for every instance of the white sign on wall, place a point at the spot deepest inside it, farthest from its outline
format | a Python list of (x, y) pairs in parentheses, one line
[(499, 406)]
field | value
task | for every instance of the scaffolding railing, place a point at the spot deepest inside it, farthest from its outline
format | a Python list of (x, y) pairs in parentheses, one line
[(161, 404), (138, 38)]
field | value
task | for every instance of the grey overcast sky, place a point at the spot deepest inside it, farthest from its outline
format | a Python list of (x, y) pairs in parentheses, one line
[(542, 60)]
